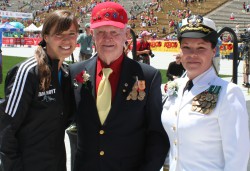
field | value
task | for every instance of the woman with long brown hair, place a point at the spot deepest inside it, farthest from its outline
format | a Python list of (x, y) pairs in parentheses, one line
[(39, 101)]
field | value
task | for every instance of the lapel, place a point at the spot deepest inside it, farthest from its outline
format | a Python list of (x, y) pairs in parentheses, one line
[(201, 83), (129, 74), (76, 69), (91, 69), (87, 92)]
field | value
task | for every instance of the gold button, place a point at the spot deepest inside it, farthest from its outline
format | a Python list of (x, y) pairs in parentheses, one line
[(174, 128), (101, 132), (101, 153), (175, 142), (175, 158)]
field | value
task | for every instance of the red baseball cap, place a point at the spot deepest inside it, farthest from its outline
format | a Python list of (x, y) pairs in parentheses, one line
[(108, 13)]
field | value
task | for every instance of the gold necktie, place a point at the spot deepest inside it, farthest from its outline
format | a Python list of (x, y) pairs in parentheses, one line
[(104, 95)]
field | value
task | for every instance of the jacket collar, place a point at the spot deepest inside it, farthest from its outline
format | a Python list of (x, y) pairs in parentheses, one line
[(91, 69), (201, 83)]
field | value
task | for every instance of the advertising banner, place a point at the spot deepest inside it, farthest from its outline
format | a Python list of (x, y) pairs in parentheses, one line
[(21, 41), (156, 45), (11, 14), (174, 46)]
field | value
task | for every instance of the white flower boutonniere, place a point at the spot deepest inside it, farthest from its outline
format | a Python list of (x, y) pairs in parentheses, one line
[(171, 88)]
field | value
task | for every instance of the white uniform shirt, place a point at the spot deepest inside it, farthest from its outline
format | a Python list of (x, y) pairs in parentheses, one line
[(218, 141)]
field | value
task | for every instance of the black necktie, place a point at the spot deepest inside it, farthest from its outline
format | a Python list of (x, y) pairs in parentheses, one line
[(188, 86)]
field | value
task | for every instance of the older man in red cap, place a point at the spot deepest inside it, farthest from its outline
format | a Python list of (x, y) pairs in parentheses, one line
[(118, 102)]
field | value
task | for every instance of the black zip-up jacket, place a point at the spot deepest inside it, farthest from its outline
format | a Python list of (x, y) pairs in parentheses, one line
[(33, 122)]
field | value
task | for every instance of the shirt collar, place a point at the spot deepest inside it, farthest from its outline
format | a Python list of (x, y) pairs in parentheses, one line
[(205, 78), (196, 79), (115, 66)]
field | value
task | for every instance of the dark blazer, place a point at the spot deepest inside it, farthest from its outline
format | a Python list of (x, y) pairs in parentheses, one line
[(132, 137)]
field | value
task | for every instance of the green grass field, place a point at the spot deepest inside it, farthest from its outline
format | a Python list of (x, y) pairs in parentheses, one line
[(9, 62), (163, 75)]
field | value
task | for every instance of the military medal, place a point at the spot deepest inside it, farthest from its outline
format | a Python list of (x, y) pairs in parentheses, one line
[(209, 97), (135, 87), (137, 90), (141, 93), (141, 84), (129, 97), (206, 101), (198, 109), (140, 98), (204, 104), (194, 107), (133, 95)]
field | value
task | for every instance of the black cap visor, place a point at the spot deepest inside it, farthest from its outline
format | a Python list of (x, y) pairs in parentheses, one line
[(193, 35), (212, 36)]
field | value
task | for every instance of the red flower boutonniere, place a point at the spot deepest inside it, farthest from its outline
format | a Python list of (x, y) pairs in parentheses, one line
[(81, 78)]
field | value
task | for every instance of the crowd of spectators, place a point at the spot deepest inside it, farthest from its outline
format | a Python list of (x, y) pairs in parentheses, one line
[(147, 16), (40, 8), (146, 10), (143, 14), (246, 7)]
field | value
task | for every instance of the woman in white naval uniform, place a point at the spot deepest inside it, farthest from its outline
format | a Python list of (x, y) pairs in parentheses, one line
[(208, 124)]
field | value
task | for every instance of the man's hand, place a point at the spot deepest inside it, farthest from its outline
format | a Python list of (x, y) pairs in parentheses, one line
[(146, 52), (175, 77)]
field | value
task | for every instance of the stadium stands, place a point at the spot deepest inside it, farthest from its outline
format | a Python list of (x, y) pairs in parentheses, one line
[(218, 10)]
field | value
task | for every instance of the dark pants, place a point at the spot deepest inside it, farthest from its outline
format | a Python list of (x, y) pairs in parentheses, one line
[(84, 56), (146, 60), (143, 59)]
